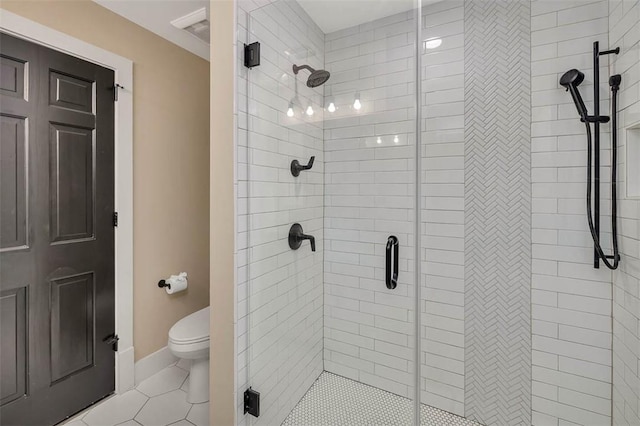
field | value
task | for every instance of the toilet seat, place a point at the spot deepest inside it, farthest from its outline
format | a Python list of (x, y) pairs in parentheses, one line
[(189, 337), (191, 329)]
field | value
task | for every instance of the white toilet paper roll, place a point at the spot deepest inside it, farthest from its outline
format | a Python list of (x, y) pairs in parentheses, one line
[(178, 283)]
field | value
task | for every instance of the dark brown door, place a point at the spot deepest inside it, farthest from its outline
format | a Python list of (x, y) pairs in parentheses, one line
[(56, 233)]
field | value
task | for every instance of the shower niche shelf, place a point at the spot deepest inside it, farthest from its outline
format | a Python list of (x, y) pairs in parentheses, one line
[(632, 160)]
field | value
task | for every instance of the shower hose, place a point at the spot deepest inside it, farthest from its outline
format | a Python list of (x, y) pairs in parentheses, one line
[(614, 201)]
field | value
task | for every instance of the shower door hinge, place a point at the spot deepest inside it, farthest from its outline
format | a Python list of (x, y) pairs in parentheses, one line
[(252, 54), (115, 218), (252, 402)]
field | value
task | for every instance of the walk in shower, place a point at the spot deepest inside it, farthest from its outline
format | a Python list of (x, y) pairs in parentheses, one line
[(412, 244)]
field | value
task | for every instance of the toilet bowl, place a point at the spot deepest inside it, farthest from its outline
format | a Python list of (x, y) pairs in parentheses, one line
[(189, 339)]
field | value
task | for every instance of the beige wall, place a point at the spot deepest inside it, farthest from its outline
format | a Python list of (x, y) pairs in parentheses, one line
[(222, 407), (170, 159)]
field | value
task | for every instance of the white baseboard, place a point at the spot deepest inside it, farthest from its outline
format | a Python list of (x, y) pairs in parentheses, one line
[(125, 370), (151, 364)]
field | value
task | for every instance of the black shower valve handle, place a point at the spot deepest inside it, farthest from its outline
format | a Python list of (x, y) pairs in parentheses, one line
[(297, 236), (296, 167), (311, 239)]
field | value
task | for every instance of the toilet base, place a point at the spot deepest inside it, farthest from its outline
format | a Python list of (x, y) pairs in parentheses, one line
[(198, 381)]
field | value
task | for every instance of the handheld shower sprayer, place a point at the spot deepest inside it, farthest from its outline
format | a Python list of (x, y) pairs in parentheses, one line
[(571, 80)]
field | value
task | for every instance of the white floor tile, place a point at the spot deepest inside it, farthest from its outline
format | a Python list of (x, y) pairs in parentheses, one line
[(185, 364), (171, 378), (117, 409), (164, 409), (185, 385), (75, 423), (74, 420), (199, 414), (335, 400), (181, 423), (129, 423)]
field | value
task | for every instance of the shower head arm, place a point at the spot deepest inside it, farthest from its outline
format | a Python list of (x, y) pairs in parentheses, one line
[(297, 68)]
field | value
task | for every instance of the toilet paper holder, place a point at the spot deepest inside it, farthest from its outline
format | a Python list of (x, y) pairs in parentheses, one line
[(175, 283)]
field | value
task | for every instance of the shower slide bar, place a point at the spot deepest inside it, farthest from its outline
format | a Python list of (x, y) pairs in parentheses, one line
[(571, 80)]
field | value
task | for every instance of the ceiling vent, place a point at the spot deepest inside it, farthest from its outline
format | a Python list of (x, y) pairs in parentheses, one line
[(195, 23)]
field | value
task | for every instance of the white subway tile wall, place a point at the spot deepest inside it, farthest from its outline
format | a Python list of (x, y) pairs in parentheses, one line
[(624, 31), (279, 291), (369, 182), (571, 301), (442, 215)]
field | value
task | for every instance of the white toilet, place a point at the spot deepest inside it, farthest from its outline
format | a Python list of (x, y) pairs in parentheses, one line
[(189, 339)]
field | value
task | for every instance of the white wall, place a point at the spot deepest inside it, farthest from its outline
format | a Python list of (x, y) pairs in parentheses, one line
[(279, 291), (624, 31), (571, 301), (369, 182), (442, 241)]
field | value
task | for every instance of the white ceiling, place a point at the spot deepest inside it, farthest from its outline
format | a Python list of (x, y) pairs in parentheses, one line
[(330, 15), (156, 16), (334, 15)]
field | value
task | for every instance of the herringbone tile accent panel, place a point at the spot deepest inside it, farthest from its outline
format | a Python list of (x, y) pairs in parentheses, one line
[(498, 212)]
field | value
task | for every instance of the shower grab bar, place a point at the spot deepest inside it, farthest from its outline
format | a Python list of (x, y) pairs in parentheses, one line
[(392, 278)]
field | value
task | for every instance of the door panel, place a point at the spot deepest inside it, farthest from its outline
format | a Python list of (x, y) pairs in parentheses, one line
[(13, 362), (13, 74), (70, 92), (62, 260), (72, 182), (13, 179), (72, 318)]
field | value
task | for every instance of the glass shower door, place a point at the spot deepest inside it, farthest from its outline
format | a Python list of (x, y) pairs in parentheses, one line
[(328, 335)]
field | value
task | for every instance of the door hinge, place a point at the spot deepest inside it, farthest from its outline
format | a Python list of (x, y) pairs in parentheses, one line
[(252, 55), (112, 340), (252, 402), (116, 88), (115, 218)]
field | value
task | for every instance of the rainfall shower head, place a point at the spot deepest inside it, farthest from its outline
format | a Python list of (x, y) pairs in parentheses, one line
[(317, 77), (571, 80)]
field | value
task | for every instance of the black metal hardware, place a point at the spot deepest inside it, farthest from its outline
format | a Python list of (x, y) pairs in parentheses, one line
[(252, 402), (614, 82), (296, 167), (594, 223), (163, 283), (594, 119), (596, 144), (116, 88), (115, 218), (608, 52), (571, 80), (392, 278), (296, 236), (112, 340), (252, 54)]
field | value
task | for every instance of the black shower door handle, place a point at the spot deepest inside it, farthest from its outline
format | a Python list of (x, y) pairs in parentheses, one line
[(392, 278)]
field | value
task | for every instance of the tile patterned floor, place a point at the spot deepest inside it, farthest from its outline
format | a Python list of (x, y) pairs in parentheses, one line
[(333, 400), (337, 401), (160, 400)]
